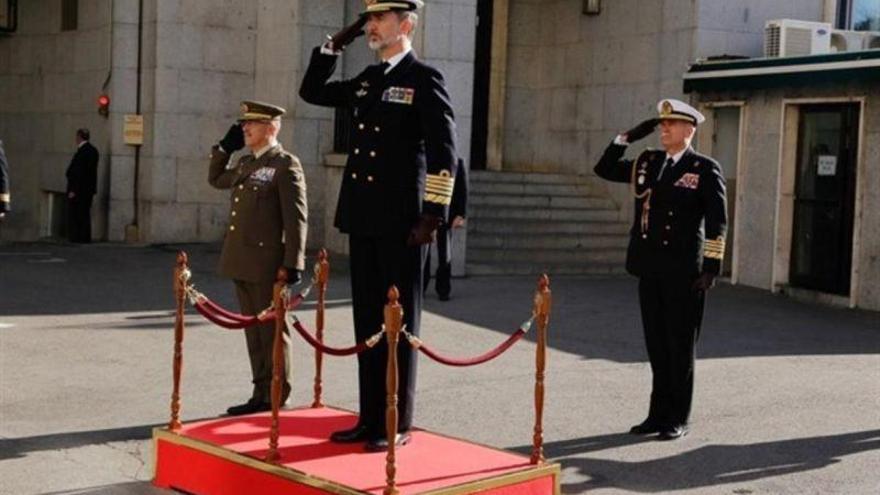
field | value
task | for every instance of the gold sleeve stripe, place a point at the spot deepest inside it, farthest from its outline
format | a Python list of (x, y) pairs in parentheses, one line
[(5, 198), (438, 189), (714, 255), (436, 198)]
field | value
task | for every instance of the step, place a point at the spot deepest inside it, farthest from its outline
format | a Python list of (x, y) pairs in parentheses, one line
[(548, 214), (480, 269), (479, 176), (544, 201), (555, 257), (541, 227), (559, 241), (526, 188)]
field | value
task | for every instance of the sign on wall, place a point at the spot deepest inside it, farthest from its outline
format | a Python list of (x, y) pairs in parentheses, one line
[(8, 16), (827, 165), (133, 129)]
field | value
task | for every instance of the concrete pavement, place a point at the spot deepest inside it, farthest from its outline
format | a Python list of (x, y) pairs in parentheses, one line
[(786, 393)]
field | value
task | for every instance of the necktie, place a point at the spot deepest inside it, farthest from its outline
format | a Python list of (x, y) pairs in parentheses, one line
[(666, 165)]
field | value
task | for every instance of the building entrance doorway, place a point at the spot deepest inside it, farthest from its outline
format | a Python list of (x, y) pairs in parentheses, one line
[(824, 200)]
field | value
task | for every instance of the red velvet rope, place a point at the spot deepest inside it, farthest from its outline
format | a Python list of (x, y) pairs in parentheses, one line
[(494, 353), (333, 351), (247, 320), (221, 321)]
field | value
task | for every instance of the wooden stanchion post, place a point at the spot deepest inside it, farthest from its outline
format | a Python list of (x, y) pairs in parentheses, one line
[(542, 315), (277, 363), (322, 277), (181, 277), (393, 324)]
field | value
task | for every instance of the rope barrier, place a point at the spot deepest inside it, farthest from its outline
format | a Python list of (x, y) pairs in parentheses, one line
[(227, 319), (293, 321), (417, 343)]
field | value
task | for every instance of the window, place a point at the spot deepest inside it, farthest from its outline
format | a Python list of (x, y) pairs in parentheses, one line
[(859, 15), (69, 14)]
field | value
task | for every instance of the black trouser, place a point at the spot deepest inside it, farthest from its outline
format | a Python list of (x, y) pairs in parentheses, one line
[(79, 218), (443, 276), (671, 317), (377, 263), (254, 297)]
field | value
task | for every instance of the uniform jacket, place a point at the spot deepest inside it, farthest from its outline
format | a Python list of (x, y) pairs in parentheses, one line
[(82, 173), (267, 216), (5, 196), (687, 211), (402, 158)]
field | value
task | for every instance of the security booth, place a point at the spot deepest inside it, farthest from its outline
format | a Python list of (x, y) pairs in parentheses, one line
[(799, 138)]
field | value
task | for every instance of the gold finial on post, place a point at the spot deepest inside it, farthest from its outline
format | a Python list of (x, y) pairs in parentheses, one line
[(181, 278), (323, 275), (542, 303), (277, 363), (393, 324)]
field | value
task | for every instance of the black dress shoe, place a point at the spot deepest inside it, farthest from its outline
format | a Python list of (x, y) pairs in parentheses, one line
[(352, 435), (249, 407), (381, 444), (646, 427), (673, 432)]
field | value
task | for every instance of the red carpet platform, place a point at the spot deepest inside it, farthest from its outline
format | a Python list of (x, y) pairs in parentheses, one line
[(223, 456)]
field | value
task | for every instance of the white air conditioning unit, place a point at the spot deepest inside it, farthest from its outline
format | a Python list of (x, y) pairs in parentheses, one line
[(851, 41), (792, 38)]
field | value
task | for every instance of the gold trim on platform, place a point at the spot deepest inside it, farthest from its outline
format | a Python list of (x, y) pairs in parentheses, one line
[(525, 474)]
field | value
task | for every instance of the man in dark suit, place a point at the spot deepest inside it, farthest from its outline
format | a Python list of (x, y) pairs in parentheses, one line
[(457, 216), (676, 247), (5, 196), (395, 192), (268, 222), (82, 183)]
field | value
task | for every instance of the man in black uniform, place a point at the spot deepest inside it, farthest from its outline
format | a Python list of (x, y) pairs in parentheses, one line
[(82, 183), (395, 192), (457, 215), (676, 247)]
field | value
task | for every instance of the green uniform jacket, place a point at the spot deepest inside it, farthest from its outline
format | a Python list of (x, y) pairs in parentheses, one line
[(267, 216)]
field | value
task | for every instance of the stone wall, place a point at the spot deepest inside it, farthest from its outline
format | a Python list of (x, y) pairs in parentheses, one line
[(49, 85)]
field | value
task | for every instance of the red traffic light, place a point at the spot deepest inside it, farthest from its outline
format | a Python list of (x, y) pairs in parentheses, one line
[(103, 105)]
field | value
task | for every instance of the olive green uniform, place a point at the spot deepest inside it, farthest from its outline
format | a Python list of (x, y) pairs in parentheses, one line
[(267, 230)]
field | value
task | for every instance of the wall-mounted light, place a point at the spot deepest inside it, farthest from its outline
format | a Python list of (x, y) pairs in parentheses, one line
[(592, 7)]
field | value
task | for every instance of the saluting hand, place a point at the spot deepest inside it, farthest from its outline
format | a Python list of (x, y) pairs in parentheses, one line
[(234, 139), (641, 130)]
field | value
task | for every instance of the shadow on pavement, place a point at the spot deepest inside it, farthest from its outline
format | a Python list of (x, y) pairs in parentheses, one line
[(132, 488), (711, 465)]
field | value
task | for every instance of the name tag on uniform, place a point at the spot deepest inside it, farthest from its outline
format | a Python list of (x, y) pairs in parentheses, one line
[(263, 175), (689, 181), (397, 94)]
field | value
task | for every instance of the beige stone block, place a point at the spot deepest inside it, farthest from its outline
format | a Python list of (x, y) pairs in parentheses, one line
[(213, 219), (563, 114), (463, 31), (437, 28), (172, 222), (229, 50), (590, 108)]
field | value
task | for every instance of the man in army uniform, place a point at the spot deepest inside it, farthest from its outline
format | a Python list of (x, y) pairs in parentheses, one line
[(267, 229), (395, 192), (676, 247)]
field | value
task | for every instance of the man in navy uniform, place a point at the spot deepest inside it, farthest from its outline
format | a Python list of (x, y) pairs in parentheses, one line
[(676, 247), (395, 192), (268, 223), (82, 183)]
